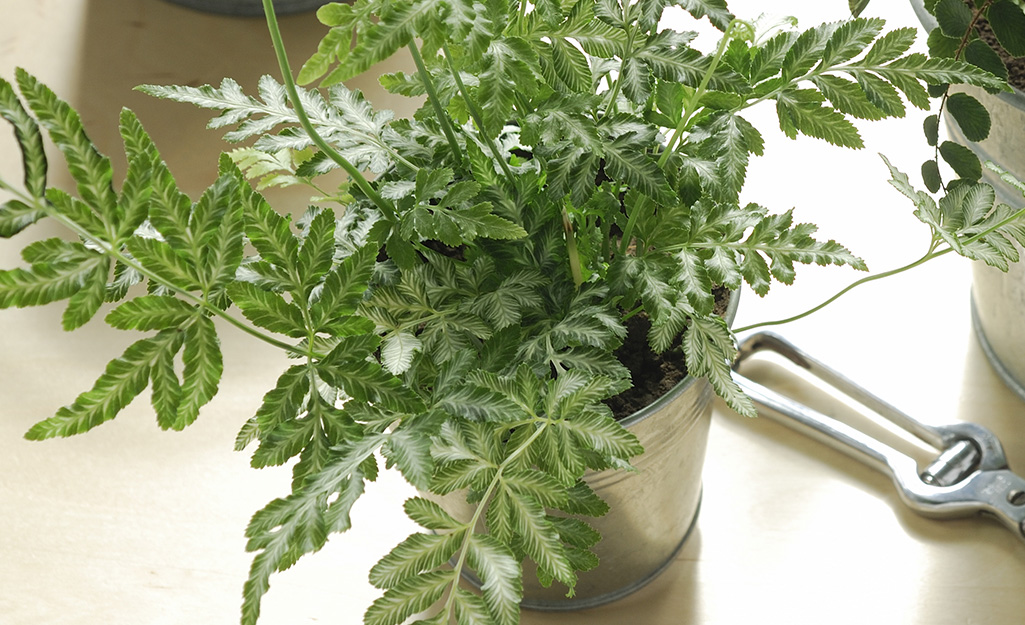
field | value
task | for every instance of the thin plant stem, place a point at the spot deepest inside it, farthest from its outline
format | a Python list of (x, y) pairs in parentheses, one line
[(432, 97), (478, 118), (304, 120), (850, 287)]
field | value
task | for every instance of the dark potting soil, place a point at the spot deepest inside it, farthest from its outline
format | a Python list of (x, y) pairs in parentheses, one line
[(653, 374)]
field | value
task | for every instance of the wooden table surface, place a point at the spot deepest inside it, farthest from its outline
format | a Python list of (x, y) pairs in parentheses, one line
[(133, 525)]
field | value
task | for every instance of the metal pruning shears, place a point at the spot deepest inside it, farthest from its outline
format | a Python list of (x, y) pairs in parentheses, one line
[(969, 476)]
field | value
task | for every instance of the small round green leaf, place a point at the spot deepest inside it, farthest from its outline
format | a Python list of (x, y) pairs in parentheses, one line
[(1008, 23), (931, 126), (942, 46), (970, 115), (954, 17), (979, 54), (963, 161), (931, 176)]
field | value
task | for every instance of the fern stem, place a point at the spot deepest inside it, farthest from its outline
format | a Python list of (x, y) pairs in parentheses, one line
[(457, 568), (304, 120), (571, 249), (432, 96), (478, 118), (850, 287), (691, 105)]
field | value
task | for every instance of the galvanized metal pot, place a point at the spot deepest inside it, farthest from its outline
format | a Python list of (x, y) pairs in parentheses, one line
[(998, 298), (652, 511)]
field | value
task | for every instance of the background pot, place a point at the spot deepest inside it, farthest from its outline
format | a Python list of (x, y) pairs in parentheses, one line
[(652, 511), (249, 8), (998, 298)]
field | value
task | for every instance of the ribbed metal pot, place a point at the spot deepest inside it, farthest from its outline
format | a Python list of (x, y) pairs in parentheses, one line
[(998, 298), (652, 511)]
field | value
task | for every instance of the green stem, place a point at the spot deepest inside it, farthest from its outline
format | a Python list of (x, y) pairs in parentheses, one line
[(304, 120), (457, 568), (692, 103), (432, 97), (924, 259), (571, 250), (631, 223), (478, 118)]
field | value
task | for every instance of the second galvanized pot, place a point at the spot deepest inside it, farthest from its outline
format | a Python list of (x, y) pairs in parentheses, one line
[(998, 298)]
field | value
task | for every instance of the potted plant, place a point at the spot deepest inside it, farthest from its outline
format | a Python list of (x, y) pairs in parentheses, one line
[(984, 126), (564, 204)]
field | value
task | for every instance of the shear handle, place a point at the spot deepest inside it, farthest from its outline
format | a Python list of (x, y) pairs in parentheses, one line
[(969, 476)]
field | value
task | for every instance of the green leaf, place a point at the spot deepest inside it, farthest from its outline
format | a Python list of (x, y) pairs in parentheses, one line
[(33, 154), (1008, 24), (393, 30), (479, 404), (626, 160), (86, 301), (284, 402), (539, 539), (635, 80), (501, 577), (368, 382), (412, 595), (286, 440), (857, 6), (848, 97), (849, 40), (268, 310), (882, 94), (221, 243), (398, 350), (470, 609), (344, 287), (963, 161), (715, 10), (48, 282), (801, 111), (318, 246), (429, 515), (270, 233), (954, 17), (571, 66), (981, 55), (15, 216), (287, 528), (931, 127), (604, 434), (507, 70), (890, 46), (202, 373), (91, 170), (122, 380), (931, 176), (409, 448), (938, 71), (971, 116), (151, 312), (418, 554), (806, 51), (166, 263), (166, 394), (710, 351)]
